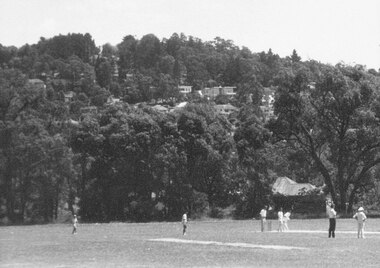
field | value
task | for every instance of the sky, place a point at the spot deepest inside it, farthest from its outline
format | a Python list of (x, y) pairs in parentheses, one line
[(329, 31)]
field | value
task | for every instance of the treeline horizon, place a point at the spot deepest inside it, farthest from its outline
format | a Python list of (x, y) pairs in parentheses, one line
[(164, 39), (129, 162)]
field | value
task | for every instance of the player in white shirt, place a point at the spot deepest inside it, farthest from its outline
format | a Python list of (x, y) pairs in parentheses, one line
[(286, 219), (280, 215), (75, 224), (360, 217), (263, 218), (332, 217), (184, 223)]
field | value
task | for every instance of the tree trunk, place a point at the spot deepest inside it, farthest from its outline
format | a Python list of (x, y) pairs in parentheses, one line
[(23, 205), (341, 183), (56, 203), (326, 176), (84, 172), (9, 193), (351, 200), (343, 196)]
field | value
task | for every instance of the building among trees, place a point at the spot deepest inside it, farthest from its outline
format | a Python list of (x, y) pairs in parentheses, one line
[(212, 92), (301, 198)]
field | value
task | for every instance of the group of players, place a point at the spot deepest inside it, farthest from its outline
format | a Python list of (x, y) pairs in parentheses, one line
[(331, 213), (359, 216), (283, 220)]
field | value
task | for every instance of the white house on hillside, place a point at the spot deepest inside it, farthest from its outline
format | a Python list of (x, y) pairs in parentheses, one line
[(212, 92), (229, 91), (68, 96), (267, 102), (226, 109), (184, 89)]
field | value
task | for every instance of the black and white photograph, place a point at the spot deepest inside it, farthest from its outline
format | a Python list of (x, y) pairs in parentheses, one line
[(189, 133)]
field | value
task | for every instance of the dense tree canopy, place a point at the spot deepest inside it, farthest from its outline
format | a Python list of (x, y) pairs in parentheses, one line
[(334, 124), (79, 131)]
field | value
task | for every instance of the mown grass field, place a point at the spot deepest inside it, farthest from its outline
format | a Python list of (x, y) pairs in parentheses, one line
[(131, 245)]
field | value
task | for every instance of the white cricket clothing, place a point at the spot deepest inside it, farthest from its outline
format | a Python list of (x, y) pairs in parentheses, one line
[(360, 216), (263, 213), (184, 218), (280, 215), (331, 212)]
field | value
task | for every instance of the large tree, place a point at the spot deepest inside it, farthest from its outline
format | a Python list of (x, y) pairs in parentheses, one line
[(148, 51), (35, 162), (334, 122), (251, 138)]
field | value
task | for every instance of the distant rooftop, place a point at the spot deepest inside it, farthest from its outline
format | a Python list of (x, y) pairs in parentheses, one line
[(288, 187)]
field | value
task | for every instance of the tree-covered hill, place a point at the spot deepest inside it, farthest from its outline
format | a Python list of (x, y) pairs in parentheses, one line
[(79, 132)]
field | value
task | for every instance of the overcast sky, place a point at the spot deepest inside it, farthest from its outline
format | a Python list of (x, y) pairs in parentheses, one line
[(329, 31)]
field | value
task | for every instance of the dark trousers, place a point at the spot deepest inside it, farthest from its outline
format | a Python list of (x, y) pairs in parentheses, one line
[(332, 227)]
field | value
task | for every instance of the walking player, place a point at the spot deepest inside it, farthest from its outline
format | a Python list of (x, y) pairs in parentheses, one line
[(75, 224)]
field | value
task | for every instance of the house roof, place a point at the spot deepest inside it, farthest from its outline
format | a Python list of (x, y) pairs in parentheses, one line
[(160, 108), (35, 81), (288, 187), (112, 100), (226, 106), (69, 94), (181, 104)]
